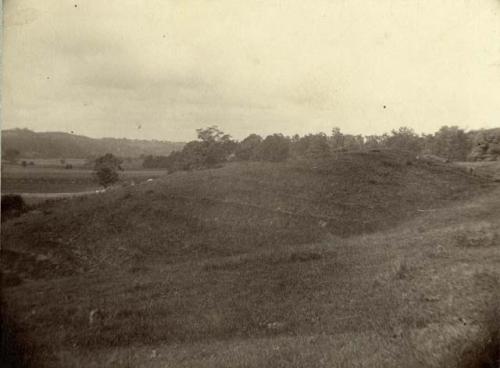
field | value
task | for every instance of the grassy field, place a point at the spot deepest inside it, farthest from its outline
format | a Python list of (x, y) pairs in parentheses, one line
[(76, 163), (37, 179), (369, 260), (55, 162)]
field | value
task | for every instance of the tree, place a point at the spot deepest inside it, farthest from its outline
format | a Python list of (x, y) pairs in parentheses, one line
[(248, 148), (404, 139), (12, 155), (337, 139), (375, 141), (311, 146), (196, 155), (212, 134), (450, 142), (213, 147), (353, 142), (106, 169), (275, 148), (345, 142)]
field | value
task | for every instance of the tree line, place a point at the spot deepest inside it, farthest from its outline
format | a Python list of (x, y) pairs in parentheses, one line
[(213, 147)]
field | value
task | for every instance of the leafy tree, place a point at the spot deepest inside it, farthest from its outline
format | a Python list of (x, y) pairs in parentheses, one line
[(353, 142), (212, 134), (450, 142), (275, 148), (337, 139), (195, 155), (311, 146), (106, 169), (214, 146), (404, 139), (248, 148), (375, 141), (345, 142)]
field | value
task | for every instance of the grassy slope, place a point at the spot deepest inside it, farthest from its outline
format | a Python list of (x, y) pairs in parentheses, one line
[(262, 265)]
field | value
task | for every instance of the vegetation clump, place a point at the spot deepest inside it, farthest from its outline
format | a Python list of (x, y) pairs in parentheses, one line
[(213, 147), (486, 146), (106, 169), (12, 205)]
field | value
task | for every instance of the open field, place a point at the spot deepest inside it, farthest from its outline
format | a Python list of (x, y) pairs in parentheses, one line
[(55, 162), (76, 163), (18, 179), (369, 260)]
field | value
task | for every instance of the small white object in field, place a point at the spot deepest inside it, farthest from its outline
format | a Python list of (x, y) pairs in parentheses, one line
[(154, 354), (149, 180), (94, 316), (41, 258), (276, 325)]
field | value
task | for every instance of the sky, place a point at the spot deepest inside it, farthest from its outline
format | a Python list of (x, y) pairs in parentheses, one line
[(160, 69)]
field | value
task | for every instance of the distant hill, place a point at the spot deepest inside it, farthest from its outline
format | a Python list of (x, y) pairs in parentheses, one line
[(57, 144)]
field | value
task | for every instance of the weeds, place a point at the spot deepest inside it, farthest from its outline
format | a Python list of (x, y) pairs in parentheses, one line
[(477, 239)]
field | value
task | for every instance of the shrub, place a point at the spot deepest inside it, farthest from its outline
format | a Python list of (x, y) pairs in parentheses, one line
[(106, 169), (12, 205), (106, 176), (482, 238)]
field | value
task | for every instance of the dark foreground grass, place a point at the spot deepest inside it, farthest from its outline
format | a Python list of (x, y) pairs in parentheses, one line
[(413, 295)]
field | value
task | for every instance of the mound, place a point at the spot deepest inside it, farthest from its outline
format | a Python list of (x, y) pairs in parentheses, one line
[(221, 268), (232, 210)]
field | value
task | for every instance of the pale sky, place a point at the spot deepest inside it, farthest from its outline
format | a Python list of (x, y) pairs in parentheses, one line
[(159, 69)]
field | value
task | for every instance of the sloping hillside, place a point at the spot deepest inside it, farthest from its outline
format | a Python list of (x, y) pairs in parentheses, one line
[(296, 264), (238, 208), (57, 145)]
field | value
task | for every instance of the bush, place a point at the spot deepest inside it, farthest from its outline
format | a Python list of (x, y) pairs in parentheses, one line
[(12, 205), (106, 169), (106, 176)]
